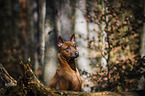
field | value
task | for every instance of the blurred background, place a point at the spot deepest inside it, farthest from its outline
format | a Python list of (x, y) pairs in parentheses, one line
[(110, 37)]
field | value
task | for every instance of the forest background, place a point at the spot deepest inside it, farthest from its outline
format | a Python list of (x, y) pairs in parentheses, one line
[(110, 37)]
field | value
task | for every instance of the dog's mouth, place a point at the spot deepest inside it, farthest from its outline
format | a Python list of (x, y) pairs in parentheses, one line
[(73, 57)]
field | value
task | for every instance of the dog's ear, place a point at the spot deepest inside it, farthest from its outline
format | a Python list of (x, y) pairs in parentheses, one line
[(60, 41), (72, 39)]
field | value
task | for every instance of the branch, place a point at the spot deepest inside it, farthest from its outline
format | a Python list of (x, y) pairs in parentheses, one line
[(5, 78), (29, 85)]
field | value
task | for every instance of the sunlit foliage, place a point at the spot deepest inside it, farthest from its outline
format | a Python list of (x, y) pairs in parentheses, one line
[(120, 22)]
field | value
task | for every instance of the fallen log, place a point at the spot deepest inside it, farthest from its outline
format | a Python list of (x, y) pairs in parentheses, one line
[(29, 85)]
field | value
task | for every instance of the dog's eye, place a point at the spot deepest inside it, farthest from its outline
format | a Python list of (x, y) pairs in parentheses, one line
[(74, 46), (68, 48)]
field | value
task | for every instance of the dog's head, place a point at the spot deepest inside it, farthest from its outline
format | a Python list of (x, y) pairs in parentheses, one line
[(68, 49)]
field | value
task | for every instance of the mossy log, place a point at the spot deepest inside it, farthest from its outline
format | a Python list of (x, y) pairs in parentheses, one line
[(29, 85)]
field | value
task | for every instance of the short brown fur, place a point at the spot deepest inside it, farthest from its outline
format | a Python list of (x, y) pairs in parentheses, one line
[(67, 76)]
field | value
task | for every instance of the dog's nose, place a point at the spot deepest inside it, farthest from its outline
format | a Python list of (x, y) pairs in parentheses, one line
[(76, 53)]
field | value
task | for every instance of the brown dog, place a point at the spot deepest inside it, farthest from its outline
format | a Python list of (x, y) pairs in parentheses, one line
[(67, 76)]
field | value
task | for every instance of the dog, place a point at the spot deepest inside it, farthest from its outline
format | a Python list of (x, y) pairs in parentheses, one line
[(67, 76)]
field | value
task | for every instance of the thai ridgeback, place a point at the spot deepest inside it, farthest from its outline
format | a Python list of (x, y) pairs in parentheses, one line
[(67, 76)]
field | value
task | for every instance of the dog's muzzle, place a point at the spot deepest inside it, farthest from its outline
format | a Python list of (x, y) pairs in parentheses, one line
[(74, 55)]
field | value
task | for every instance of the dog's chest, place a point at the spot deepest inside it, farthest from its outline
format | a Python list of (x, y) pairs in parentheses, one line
[(76, 82), (72, 76), (75, 79)]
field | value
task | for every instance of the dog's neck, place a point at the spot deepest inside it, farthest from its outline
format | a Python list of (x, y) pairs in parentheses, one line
[(65, 63), (72, 64)]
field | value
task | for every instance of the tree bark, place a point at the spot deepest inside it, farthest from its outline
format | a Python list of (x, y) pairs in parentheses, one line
[(82, 36), (141, 83), (66, 18), (50, 41)]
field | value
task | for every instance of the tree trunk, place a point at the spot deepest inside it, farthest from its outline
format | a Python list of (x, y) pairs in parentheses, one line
[(16, 33), (141, 82), (42, 11), (142, 50), (50, 41), (65, 19), (82, 36)]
